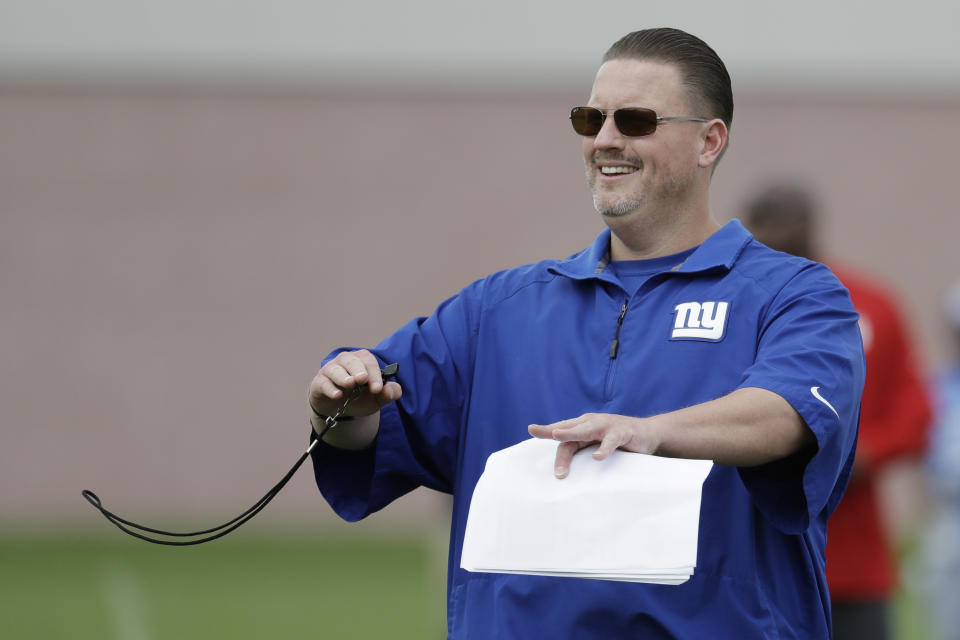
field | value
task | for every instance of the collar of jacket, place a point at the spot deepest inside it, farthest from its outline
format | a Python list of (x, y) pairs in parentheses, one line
[(719, 251)]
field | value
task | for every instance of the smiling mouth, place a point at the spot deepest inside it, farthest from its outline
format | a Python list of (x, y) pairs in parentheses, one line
[(618, 170)]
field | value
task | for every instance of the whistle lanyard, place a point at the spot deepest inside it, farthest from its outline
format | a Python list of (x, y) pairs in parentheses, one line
[(140, 531)]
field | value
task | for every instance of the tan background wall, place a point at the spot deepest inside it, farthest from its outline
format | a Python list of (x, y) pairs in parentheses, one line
[(175, 261)]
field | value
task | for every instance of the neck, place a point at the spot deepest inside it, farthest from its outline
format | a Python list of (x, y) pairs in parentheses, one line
[(643, 242)]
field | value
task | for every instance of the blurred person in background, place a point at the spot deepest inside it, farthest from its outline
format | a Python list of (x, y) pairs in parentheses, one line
[(942, 543), (670, 335), (894, 419)]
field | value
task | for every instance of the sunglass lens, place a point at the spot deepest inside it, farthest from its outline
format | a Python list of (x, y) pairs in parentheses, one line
[(586, 121), (635, 121)]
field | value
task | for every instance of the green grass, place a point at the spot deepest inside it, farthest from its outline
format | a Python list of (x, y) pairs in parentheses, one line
[(909, 608), (111, 587)]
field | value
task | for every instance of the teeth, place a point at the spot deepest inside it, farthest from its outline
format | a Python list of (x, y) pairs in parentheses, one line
[(609, 171)]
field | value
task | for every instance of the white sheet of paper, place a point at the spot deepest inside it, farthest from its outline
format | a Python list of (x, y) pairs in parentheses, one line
[(630, 517)]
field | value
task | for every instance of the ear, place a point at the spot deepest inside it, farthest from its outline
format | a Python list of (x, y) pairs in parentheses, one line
[(713, 141)]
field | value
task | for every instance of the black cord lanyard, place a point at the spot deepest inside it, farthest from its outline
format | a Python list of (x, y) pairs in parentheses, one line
[(140, 531)]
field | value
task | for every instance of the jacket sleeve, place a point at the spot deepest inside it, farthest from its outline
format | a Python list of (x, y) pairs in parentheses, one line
[(417, 442), (810, 353)]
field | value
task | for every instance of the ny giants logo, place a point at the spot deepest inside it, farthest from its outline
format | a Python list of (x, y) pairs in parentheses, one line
[(700, 321)]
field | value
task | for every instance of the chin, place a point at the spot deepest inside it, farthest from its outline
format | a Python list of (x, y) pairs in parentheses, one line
[(616, 209)]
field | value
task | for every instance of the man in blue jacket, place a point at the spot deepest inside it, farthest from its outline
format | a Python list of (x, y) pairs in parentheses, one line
[(670, 335)]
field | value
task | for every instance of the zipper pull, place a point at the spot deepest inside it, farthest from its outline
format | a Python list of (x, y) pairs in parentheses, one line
[(615, 345)]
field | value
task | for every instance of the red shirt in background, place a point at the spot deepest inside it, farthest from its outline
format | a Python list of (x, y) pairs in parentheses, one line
[(894, 417)]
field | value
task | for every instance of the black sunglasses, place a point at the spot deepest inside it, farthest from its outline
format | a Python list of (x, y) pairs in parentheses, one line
[(632, 122)]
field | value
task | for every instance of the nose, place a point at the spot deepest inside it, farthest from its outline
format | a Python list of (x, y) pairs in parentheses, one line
[(609, 137)]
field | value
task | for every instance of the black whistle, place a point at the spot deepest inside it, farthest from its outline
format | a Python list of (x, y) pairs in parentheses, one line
[(140, 531), (389, 372)]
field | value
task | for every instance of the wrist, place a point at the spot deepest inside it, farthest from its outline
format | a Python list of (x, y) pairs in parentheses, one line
[(323, 416), (360, 433), (647, 435)]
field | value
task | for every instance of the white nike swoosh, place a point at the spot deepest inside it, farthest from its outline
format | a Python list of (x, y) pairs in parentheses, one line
[(816, 394)]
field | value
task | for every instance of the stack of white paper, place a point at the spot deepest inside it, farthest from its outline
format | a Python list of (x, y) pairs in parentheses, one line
[(630, 517)]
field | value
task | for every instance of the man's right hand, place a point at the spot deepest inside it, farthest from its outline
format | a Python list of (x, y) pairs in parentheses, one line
[(341, 375)]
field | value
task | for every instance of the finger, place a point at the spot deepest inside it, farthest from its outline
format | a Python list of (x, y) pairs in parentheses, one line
[(353, 365), (565, 451), (549, 430), (322, 391), (371, 370), (338, 374), (611, 441), (590, 430), (541, 431), (391, 392)]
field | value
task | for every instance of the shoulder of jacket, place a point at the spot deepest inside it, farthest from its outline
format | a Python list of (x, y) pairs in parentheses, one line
[(772, 270), (506, 283)]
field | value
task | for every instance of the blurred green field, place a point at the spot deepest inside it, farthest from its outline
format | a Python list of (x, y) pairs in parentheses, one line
[(298, 587), (111, 587)]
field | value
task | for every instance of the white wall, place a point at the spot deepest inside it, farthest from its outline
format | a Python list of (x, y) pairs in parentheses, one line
[(819, 43), (170, 254)]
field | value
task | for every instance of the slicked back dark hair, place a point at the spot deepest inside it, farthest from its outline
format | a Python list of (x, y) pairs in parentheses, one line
[(704, 74)]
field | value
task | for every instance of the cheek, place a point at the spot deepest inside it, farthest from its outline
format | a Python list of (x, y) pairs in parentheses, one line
[(586, 145), (679, 159)]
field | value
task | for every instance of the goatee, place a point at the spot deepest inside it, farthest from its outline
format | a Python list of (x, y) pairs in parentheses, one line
[(620, 208)]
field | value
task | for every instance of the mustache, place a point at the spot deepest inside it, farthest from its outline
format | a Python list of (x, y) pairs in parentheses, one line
[(602, 157)]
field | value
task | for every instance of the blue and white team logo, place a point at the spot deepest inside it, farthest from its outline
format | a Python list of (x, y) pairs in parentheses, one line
[(700, 321)]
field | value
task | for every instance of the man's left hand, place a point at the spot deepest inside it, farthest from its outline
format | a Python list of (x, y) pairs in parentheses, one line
[(610, 430)]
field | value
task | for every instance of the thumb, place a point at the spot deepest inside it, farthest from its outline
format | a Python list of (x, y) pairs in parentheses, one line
[(391, 393)]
